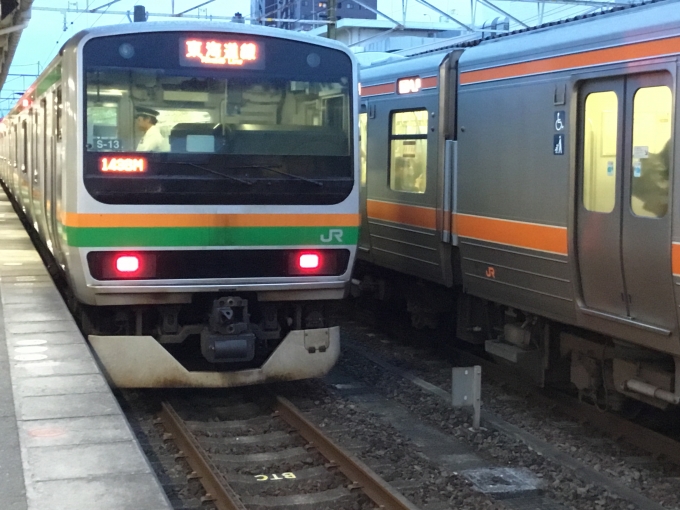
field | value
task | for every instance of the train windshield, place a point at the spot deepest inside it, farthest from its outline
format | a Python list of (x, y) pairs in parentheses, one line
[(176, 130)]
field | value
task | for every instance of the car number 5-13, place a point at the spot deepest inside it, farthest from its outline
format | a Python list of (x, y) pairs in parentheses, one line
[(111, 144)]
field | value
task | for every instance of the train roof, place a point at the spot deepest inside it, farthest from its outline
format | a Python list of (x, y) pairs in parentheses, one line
[(204, 26), (177, 26), (648, 21), (425, 65), (651, 20)]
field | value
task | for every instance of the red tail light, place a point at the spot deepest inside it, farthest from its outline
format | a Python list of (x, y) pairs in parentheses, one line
[(127, 264), (309, 261), (312, 263)]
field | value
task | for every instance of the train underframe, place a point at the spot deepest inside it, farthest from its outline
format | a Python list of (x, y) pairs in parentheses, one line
[(603, 370), (218, 340)]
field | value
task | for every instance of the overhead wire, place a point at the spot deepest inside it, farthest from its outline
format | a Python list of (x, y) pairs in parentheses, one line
[(72, 22), (62, 34), (100, 16)]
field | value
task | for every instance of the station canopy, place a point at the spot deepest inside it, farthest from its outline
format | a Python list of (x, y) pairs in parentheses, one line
[(14, 16)]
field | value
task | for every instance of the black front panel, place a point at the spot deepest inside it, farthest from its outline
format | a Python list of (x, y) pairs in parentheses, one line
[(216, 118), (153, 50), (204, 264), (212, 179)]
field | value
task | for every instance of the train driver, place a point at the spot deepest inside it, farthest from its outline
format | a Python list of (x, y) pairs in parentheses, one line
[(152, 139)]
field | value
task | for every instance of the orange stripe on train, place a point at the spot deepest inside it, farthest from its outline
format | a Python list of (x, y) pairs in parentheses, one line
[(374, 90), (429, 82), (575, 60), (210, 220), (425, 217), (675, 259), (532, 236)]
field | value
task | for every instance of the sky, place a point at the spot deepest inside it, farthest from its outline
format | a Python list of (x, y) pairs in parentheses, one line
[(48, 30)]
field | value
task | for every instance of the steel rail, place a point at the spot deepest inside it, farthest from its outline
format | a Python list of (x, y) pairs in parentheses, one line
[(221, 494), (379, 491)]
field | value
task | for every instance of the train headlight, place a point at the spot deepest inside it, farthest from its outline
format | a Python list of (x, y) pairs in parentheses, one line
[(126, 50)]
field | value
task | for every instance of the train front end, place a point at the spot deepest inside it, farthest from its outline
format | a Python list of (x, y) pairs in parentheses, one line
[(215, 213)]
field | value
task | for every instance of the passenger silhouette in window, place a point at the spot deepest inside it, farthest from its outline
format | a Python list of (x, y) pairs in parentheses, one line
[(408, 176), (651, 184)]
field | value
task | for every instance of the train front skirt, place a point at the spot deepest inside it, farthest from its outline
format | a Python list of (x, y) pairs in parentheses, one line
[(141, 362)]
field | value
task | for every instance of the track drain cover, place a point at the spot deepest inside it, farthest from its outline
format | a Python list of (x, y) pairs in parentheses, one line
[(503, 482)]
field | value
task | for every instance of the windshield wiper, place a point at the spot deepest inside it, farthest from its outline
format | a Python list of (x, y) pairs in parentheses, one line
[(206, 169), (250, 183), (299, 177)]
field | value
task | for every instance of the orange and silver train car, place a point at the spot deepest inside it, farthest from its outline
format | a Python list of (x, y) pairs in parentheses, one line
[(196, 185), (528, 182)]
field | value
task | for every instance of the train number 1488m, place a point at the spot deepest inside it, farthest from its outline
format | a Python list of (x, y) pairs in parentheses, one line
[(127, 165)]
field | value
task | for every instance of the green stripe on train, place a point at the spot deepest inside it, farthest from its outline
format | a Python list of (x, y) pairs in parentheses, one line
[(86, 237)]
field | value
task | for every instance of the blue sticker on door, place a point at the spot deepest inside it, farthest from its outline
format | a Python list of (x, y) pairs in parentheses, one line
[(558, 145)]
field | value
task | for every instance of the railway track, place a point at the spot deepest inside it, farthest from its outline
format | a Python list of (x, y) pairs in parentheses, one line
[(275, 458), (622, 429), (544, 449), (618, 427)]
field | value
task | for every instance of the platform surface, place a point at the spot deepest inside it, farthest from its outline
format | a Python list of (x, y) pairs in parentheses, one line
[(64, 441)]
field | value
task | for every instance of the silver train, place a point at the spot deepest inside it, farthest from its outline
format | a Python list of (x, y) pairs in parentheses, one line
[(533, 174), (195, 184)]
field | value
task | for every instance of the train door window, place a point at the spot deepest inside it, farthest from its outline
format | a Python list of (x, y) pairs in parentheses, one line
[(15, 154), (650, 157), (408, 151), (35, 148), (58, 111), (24, 136), (43, 106), (600, 151), (363, 146)]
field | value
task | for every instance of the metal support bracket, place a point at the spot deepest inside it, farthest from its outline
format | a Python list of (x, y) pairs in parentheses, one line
[(466, 390)]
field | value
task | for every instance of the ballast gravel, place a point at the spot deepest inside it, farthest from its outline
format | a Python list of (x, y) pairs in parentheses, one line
[(657, 480)]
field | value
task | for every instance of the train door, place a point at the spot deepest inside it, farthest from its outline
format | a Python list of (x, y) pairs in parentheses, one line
[(25, 163), (623, 224), (364, 238), (39, 168), (402, 186), (14, 167), (33, 171), (55, 170)]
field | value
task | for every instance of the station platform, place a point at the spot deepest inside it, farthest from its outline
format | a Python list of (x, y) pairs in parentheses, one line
[(64, 441)]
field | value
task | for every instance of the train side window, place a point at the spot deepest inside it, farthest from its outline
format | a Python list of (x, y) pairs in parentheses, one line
[(15, 153), (58, 107), (651, 151), (363, 146), (408, 151), (600, 151), (24, 136), (43, 107), (35, 148)]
